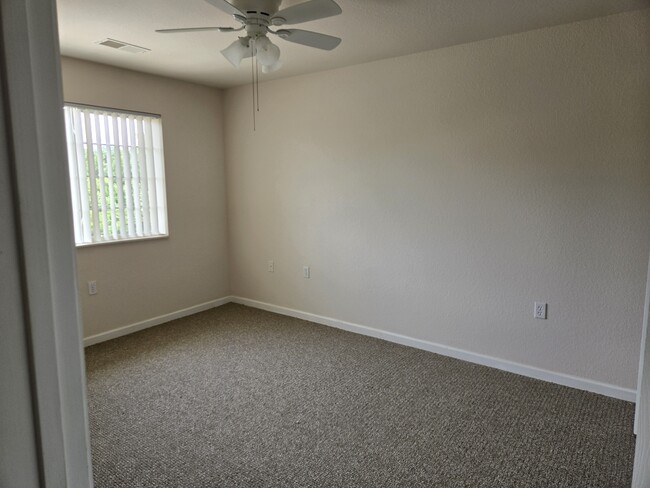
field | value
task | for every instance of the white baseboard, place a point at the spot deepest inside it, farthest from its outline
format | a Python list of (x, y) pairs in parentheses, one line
[(512, 367), (472, 357), (161, 319)]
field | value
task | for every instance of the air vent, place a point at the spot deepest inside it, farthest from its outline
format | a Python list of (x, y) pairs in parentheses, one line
[(123, 46)]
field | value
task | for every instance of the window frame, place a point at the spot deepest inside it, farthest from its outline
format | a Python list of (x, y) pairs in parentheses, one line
[(159, 174)]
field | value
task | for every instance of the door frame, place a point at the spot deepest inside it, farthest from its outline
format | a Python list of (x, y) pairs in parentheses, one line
[(641, 476), (48, 366)]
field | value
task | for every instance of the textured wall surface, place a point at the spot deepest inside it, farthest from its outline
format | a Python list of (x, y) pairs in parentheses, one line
[(144, 279), (439, 195)]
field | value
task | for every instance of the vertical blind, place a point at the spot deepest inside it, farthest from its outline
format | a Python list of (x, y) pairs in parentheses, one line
[(117, 174)]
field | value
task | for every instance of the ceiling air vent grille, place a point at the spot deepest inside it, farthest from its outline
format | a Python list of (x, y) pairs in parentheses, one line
[(123, 46)]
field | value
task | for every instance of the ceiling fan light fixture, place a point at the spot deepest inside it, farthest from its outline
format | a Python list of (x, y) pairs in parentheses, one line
[(271, 68), (267, 53), (237, 51)]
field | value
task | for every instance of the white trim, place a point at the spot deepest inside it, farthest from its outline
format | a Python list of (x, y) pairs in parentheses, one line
[(120, 241), (642, 352), (472, 357), (51, 361), (161, 319)]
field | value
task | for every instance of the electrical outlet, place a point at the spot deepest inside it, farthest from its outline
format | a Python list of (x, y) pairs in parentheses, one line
[(540, 310), (270, 267), (306, 273), (92, 288)]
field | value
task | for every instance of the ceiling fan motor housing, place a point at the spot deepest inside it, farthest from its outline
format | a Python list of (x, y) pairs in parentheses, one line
[(259, 15), (265, 8)]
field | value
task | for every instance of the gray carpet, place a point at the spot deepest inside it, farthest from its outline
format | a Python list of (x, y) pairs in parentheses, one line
[(237, 397)]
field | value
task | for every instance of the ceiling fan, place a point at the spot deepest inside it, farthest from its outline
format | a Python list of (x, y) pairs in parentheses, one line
[(257, 17)]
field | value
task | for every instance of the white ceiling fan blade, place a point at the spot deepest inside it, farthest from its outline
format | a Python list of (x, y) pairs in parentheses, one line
[(309, 38), (227, 7), (195, 29), (306, 11)]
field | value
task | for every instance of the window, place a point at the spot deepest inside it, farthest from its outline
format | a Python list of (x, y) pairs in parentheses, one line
[(117, 174)]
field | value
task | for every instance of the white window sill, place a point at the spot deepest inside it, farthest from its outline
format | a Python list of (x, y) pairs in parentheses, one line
[(122, 241)]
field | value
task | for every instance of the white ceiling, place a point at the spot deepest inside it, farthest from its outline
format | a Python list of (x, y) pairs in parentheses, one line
[(370, 29)]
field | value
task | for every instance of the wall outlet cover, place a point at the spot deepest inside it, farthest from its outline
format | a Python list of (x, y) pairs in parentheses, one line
[(540, 310)]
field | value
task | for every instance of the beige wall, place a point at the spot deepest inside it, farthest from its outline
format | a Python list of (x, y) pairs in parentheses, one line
[(439, 195), (144, 279)]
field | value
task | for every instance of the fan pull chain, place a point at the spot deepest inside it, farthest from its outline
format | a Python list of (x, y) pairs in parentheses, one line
[(257, 82), (253, 60)]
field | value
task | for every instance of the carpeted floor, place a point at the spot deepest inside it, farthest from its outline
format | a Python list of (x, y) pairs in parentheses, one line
[(237, 397)]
